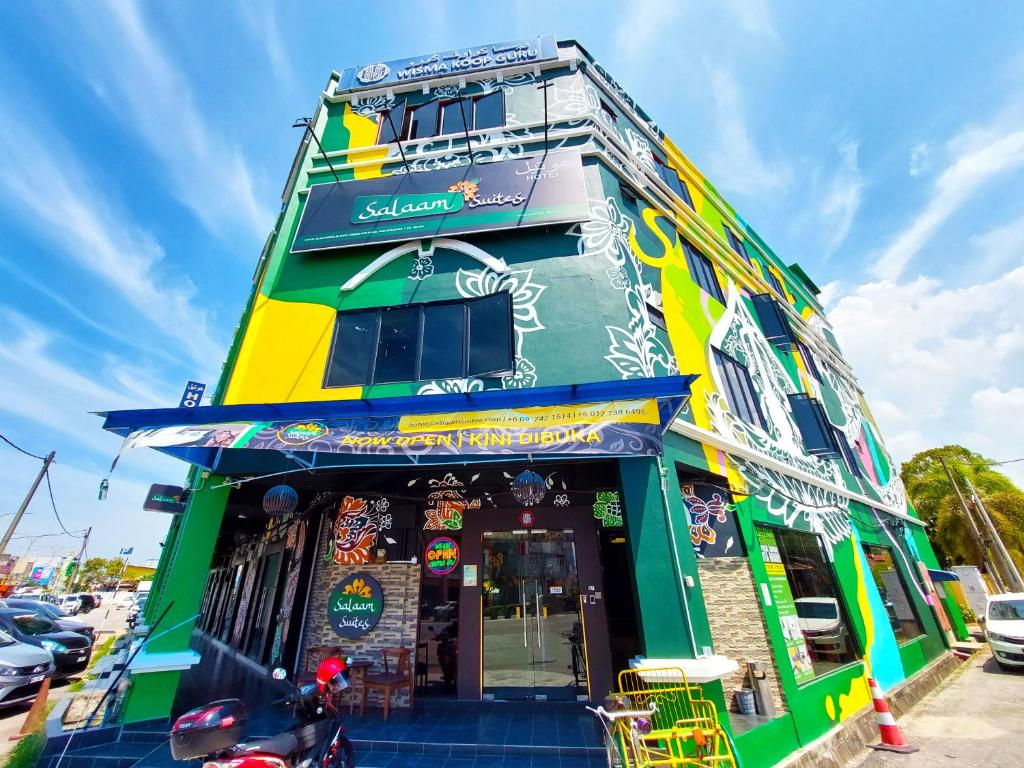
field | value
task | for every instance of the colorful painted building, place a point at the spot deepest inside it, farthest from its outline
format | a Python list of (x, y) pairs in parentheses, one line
[(517, 389)]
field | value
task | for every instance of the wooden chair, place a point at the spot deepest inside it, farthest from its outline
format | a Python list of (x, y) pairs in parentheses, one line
[(397, 675), (316, 654)]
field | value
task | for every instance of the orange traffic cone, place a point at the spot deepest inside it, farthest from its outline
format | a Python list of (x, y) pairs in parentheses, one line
[(892, 737), (35, 714)]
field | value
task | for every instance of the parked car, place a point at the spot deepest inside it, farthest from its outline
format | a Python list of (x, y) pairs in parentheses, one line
[(98, 598), (43, 597), (54, 613), (1004, 629), (821, 625), (23, 667), (136, 610), (69, 604), (71, 651)]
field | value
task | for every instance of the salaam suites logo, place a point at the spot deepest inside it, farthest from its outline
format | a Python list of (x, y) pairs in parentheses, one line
[(369, 209)]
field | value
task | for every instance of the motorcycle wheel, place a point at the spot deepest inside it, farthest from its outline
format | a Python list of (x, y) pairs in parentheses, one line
[(343, 757)]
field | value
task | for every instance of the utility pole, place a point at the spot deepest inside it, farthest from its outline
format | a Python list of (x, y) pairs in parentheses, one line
[(1010, 567), (979, 539), (24, 504), (78, 560)]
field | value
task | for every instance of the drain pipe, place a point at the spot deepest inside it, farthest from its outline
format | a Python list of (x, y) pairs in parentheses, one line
[(663, 477)]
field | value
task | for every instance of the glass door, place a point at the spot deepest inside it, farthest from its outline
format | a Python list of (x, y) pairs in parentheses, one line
[(532, 630)]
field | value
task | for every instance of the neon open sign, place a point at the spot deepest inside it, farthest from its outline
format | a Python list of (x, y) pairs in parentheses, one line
[(442, 556)]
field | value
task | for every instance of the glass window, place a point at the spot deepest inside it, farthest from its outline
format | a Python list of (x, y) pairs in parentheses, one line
[(608, 113), (895, 596), (1006, 610), (490, 335), (773, 280), (423, 122), (355, 342), (423, 342), (734, 242), (849, 457), (739, 389), (702, 272), (489, 110), (390, 123), (451, 116), (444, 327), (773, 320), (34, 625), (820, 616), (396, 348), (808, 358), (813, 425)]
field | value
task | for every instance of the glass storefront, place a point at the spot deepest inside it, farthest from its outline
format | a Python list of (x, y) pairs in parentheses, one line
[(814, 622), (895, 595)]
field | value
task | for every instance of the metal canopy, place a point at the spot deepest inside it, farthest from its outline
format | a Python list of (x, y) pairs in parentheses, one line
[(242, 456)]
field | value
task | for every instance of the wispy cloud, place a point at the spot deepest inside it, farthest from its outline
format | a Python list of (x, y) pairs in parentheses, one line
[(920, 159), (264, 24), (648, 19), (999, 247), (978, 155), (72, 213), (754, 17), (736, 162), (133, 75), (841, 200)]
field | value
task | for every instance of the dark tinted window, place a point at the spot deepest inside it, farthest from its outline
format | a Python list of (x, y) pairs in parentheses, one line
[(702, 272), (808, 358), (813, 425), (34, 625), (773, 321), (849, 457), (444, 341), (421, 342), (396, 349), (451, 116), (489, 111), (739, 389), (424, 121), (355, 341), (774, 281), (735, 243), (490, 337), (390, 123)]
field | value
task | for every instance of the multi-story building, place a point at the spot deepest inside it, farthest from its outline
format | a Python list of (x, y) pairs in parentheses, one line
[(518, 390)]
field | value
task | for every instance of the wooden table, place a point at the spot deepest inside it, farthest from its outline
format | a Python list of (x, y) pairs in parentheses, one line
[(357, 673)]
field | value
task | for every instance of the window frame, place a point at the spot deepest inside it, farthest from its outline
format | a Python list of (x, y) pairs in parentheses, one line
[(736, 244), (855, 641), (768, 311), (907, 592), (809, 362), (846, 452), (727, 363), (774, 282), (421, 308), (695, 258), (816, 411)]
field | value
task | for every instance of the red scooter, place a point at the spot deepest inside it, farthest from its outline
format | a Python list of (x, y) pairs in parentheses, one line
[(213, 732)]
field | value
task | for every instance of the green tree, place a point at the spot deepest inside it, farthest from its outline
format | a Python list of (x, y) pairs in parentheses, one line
[(936, 502), (92, 573)]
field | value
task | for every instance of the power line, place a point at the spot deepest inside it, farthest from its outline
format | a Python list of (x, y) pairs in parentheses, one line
[(22, 450), (1008, 461), (55, 513)]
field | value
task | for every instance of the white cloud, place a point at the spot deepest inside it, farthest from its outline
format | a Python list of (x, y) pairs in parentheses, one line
[(735, 161), (754, 17), (939, 364), (644, 23), (998, 247), (842, 197), (919, 159), (264, 25), (72, 213), (978, 156), (140, 84)]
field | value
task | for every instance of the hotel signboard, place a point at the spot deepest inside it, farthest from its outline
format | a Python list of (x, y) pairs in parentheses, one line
[(527, 191), (459, 62)]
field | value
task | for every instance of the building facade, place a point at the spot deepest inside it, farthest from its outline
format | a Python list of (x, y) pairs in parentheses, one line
[(518, 390)]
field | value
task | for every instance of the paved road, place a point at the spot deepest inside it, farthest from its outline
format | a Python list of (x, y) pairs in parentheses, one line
[(975, 719), (107, 621)]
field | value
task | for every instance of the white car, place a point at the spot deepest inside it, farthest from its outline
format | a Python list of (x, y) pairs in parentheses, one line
[(1004, 628), (822, 625)]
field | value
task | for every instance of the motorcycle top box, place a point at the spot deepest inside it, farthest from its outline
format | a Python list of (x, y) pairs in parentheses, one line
[(208, 729)]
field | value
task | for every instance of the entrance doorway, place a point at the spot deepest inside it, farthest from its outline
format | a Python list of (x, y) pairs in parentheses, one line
[(533, 633)]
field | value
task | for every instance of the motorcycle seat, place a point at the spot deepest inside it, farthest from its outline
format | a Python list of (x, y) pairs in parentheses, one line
[(282, 744)]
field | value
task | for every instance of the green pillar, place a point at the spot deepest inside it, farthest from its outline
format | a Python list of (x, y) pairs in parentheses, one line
[(662, 598), (157, 668)]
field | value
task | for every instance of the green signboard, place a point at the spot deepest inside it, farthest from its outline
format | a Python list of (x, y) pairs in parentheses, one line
[(782, 596), (355, 605), (481, 197)]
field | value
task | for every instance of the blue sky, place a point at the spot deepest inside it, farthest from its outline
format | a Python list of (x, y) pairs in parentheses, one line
[(143, 148)]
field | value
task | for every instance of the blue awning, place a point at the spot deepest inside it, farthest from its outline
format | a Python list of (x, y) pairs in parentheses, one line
[(612, 418), (937, 575)]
